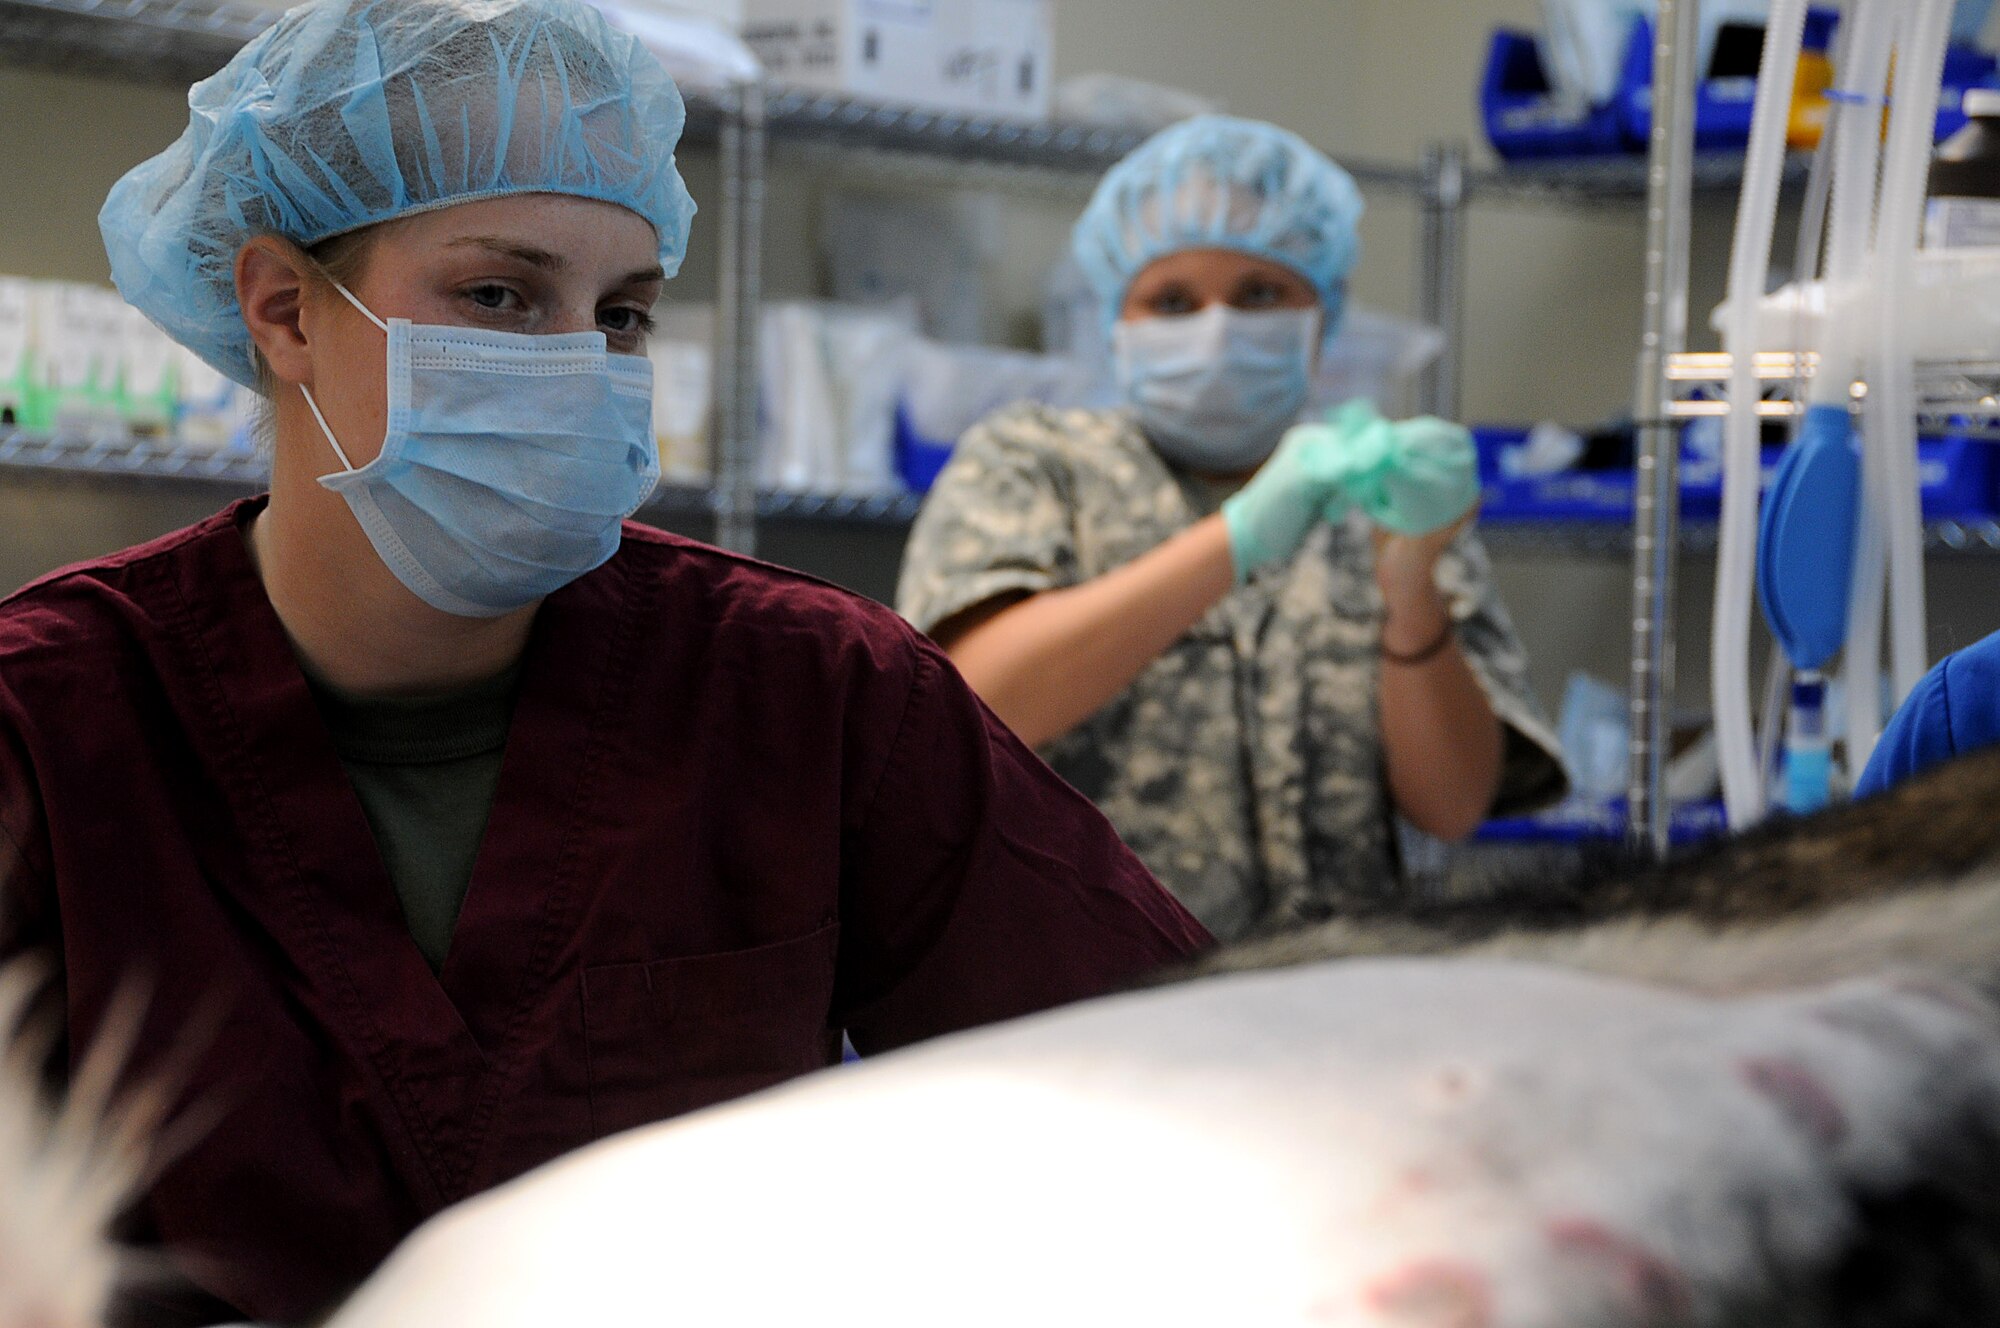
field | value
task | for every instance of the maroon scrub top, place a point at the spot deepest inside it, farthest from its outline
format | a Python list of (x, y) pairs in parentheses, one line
[(740, 812)]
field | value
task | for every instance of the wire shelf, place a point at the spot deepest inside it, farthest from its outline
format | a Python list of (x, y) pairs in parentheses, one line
[(1616, 180), (864, 509), (179, 41), (139, 41), (1963, 395), (803, 116), (1610, 539), (119, 458)]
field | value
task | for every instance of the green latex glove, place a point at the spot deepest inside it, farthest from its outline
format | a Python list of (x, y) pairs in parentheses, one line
[(1270, 517), (1412, 477)]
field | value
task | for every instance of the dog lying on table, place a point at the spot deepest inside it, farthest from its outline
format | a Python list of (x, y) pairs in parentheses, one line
[(1758, 1086)]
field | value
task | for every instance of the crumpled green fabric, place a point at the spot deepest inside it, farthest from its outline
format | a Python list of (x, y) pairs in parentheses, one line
[(1412, 477), (1409, 476)]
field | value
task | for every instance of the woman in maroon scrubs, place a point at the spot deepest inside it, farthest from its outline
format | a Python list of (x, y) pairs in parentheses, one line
[(444, 823)]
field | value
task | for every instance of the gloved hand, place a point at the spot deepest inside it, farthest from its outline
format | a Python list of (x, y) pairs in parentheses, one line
[(1270, 517), (1413, 478)]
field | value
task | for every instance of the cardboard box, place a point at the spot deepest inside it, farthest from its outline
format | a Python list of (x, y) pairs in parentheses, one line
[(981, 57), (729, 13)]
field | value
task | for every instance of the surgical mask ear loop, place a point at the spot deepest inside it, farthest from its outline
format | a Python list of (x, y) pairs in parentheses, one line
[(306, 392)]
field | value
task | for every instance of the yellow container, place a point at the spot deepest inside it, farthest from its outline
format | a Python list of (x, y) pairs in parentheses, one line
[(1810, 107)]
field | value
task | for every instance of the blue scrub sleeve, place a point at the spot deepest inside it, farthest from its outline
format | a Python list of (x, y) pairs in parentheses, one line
[(1917, 737), (1954, 711)]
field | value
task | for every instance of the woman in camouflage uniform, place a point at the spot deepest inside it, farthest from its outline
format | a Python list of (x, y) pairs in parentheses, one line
[(1155, 597)]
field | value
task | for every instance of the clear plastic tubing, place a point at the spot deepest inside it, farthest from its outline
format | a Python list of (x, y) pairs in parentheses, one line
[(1892, 405), (1855, 138), (1749, 270)]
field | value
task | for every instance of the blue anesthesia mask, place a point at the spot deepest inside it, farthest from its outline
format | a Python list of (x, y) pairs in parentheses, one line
[(1215, 391), (508, 463)]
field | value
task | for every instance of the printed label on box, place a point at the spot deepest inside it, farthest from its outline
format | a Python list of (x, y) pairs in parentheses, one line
[(976, 56), (907, 11)]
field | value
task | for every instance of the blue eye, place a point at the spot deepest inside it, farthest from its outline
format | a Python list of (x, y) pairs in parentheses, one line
[(490, 297)]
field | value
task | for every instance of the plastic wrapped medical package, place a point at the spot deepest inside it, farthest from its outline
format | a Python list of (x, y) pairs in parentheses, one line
[(831, 376)]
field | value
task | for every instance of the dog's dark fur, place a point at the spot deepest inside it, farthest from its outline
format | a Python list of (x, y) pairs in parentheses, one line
[(1934, 839)]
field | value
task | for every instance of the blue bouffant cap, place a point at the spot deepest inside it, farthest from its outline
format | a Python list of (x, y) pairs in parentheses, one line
[(345, 113), (1217, 182)]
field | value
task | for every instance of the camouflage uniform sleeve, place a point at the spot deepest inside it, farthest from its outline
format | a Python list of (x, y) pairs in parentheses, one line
[(1532, 774), (1000, 520)]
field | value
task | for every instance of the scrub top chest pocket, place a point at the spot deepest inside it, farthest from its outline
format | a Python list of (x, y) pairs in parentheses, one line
[(674, 1035)]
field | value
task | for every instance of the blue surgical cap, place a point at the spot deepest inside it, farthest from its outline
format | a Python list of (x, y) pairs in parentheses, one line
[(1216, 182), (345, 113)]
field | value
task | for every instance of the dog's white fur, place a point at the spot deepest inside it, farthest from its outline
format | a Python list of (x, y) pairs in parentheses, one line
[(1370, 1143), (63, 1176)]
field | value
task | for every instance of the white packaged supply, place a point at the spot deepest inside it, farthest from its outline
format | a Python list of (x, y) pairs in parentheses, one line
[(1584, 41), (831, 375), (980, 57), (16, 348), (76, 335), (1128, 103), (149, 371), (948, 389), (61, 359), (1951, 310), (697, 44), (682, 373), (682, 348), (728, 13), (1962, 223), (216, 414)]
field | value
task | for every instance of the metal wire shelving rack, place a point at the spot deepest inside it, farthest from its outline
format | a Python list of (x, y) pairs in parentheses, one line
[(177, 41), (1674, 386), (123, 460)]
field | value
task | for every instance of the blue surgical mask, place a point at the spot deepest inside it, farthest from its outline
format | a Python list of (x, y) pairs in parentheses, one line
[(1215, 391), (508, 464)]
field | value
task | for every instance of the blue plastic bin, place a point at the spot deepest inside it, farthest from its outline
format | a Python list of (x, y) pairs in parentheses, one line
[(1960, 477), (1521, 116), (1965, 68), (1574, 495), (1587, 823), (918, 459), (1957, 475), (1723, 107)]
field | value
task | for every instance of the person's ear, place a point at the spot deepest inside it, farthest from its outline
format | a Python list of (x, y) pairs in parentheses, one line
[(271, 279)]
